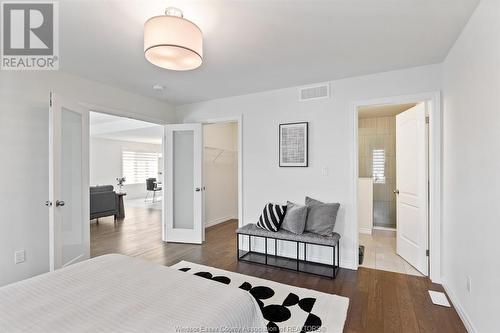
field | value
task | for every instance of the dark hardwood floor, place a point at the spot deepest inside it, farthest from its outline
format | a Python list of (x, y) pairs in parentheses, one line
[(380, 301)]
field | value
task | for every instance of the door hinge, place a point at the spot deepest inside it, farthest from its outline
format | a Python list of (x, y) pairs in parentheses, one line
[(427, 119), (427, 253), (50, 100)]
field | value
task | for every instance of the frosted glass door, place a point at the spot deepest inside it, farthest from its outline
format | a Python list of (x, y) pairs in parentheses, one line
[(183, 190), (69, 183)]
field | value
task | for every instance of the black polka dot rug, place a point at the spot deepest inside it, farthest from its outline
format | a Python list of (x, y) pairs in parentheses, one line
[(285, 308)]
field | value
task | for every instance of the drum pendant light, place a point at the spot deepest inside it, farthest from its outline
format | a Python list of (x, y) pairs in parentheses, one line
[(172, 42)]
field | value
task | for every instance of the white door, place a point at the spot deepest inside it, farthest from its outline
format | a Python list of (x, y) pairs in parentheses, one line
[(183, 189), (411, 187), (68, 182)]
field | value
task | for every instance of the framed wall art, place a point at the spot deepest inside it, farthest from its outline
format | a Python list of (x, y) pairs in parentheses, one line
[(293, 144)]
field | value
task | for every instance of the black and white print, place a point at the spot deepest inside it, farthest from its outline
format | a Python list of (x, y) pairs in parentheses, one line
[(293, 145), (272, 216), (285, 308)]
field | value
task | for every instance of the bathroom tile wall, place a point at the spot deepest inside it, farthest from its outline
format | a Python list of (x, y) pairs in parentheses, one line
[(380, 133)]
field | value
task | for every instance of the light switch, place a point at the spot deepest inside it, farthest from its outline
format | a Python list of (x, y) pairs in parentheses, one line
[(324, 171)]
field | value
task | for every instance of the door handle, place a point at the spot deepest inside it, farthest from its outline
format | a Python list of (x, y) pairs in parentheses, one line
[(396, 191), (60, 203), (198, 189)]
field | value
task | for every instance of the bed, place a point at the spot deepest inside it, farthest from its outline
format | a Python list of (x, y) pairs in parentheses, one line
[(116, 293)]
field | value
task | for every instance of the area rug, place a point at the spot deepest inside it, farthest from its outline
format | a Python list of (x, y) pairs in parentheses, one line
[(286, 308)]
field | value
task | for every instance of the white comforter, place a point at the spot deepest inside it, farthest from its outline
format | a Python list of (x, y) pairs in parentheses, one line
[(115, 293)]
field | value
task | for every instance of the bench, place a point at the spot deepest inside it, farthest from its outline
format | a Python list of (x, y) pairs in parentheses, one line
[(297, 264)]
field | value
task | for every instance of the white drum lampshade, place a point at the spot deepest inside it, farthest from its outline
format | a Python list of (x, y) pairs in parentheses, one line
[(172, 42)]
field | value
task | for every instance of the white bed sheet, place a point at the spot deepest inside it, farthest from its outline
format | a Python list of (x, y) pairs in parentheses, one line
[(115, 293)]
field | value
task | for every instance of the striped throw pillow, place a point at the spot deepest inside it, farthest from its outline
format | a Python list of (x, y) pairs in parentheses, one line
[(272, 216)]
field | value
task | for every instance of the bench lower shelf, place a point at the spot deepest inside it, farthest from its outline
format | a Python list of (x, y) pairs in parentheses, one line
[(296, 263), (288, 263)]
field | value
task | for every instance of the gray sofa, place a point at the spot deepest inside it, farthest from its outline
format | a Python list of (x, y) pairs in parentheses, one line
[(103, 201)]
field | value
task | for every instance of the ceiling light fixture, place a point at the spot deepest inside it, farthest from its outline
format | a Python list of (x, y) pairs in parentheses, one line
[(172, 42)]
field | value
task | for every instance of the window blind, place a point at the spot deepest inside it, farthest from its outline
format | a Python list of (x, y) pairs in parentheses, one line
[(138, 166), (378, 166)]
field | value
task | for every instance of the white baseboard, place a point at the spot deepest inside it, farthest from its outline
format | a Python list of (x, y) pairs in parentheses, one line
[(367, 231), (460, 310), (344, 263), (348, 264), (219, 220), (384, 228)]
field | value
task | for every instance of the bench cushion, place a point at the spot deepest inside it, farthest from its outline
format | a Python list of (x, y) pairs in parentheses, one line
[(306, 237)]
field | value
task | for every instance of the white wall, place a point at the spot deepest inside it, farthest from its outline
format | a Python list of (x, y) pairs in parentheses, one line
[(24, 144), (331, 143), (471, 170), (365, 205), (220, 172), (106, 163)]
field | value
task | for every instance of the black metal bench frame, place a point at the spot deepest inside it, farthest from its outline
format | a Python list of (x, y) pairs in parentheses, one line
[(335, 249)]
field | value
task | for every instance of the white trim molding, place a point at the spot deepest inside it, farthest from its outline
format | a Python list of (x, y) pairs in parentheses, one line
[(366, 231), (213, 222), (435, 169), (123, 113), (384, 228), (460, 310)]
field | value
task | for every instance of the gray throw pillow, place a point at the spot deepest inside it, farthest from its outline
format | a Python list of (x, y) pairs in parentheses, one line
[(295, 218), (321, 216)]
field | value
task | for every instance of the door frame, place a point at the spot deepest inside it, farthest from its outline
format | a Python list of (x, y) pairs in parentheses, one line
[(433, 103), (239, 120), (135, 116), (123, 113)]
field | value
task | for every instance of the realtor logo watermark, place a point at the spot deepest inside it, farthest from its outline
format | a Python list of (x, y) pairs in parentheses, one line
[(30, 35)]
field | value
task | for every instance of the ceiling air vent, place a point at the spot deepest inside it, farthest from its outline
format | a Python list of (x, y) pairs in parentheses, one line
[(314, 92)]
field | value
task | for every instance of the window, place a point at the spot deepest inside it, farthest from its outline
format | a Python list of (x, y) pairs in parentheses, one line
[(378, 166), (138, 166)]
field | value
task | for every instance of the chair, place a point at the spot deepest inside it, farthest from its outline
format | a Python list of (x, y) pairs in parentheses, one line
[(152, 186)]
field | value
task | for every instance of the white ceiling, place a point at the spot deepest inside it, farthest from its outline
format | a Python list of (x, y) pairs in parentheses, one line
[(124, 129), (257, 45), (387, 110)]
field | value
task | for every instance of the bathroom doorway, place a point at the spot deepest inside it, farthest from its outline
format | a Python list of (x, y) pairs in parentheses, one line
[(393, 200)]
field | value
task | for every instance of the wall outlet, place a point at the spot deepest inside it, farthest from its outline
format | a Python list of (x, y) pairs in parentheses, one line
[(19, 256), (469, 284)]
